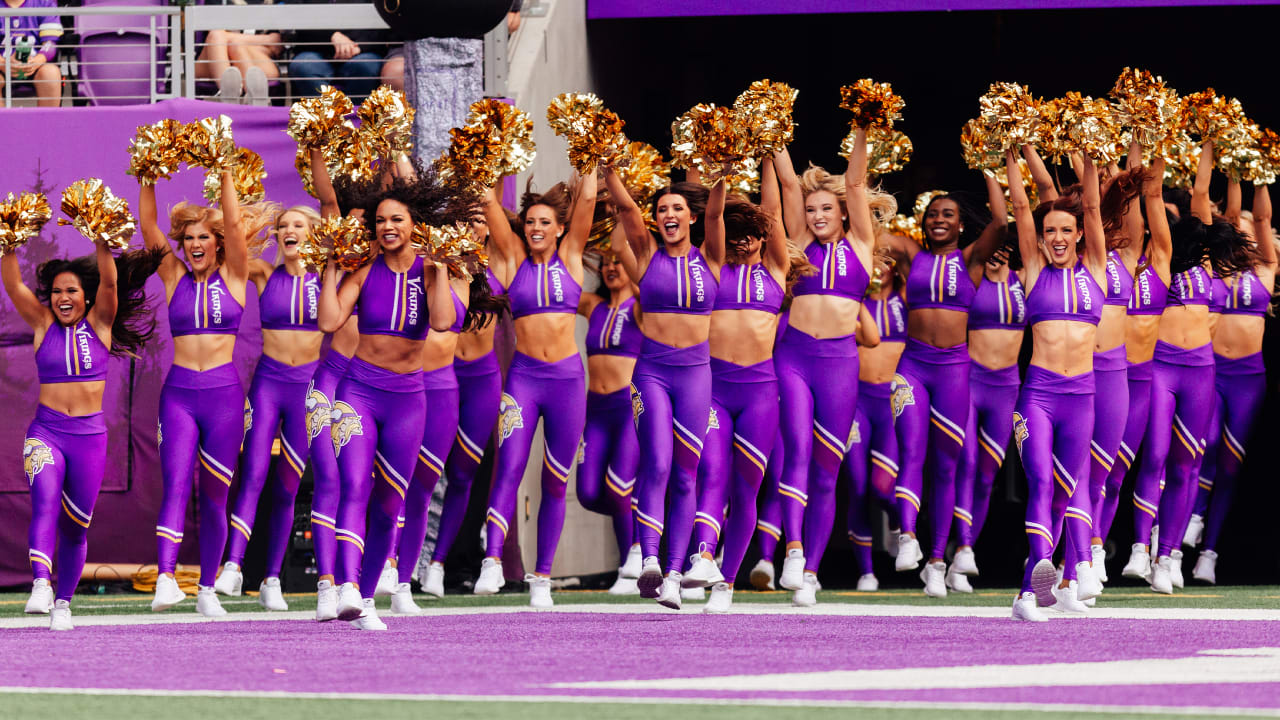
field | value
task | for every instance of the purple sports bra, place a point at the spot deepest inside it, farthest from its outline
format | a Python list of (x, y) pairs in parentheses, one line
[(1149, 292), (940, 281), (203, 308), (1217, 294), (840, 272), (496, 287), (1191, 287), (459, 311), (998, 305), (1065, 294), (71, 354), (1119, 281), (681, 285), (543, 288), (289, 302), (393, 303), (1248, 296), (748, 287), (891, 317), (613, 331)]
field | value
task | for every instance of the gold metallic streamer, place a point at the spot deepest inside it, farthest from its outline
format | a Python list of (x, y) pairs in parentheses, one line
[(22, 218), (98, 213), (247, 175), (454, 246), (887, 150), (318, 122), (1010, 116), (345, 239), (594, 133), (764, 112), (386, 120), (155, 151), (873, 104)]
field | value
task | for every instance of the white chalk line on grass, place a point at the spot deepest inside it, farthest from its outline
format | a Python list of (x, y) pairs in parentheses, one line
[(631, 700)]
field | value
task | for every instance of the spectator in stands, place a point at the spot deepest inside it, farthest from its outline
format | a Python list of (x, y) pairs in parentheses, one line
[(33, 48), (350, 60), (241, 62)]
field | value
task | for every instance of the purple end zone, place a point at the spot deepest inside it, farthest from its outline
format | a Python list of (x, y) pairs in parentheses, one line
[(526, 654)]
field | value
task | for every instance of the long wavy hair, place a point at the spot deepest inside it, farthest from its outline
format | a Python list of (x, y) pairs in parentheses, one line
[(428, 200), (695, 196), (135, 321), (257, 220)]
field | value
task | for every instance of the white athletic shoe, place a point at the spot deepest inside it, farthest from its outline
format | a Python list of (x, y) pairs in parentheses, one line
[(270, 596), (402, 601), (1091, 602), (1099, 556), (693, 594), (1065, 600), (650, 581), (670, 595), (350, 604), (60, 616), (1175, 569), (1026, 609), (387, 581), (326, 601), (1088, 586), (168, 593), (964, 563), (207, 603), (934, 576), (868, 583), (1162, 576), (762, 575), (230, 581), (1139, 565), (230, 87), (434, 584), (909, 554), (702, 573), (792, 577), (958, 581), (720, 600), (1195, 531), (1206, 566), (807, 595), (1044, 577), (255, 88), (625, 586), (890, 542), (1155, 540), (632, 565), (539, 591), (368, 618), (41, 600), (491, 579)]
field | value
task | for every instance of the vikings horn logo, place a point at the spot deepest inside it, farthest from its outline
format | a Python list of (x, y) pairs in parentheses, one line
[(713, 422), (1020, 431), (582, 450), (344, 424), (35, 455), (902, 394), (248, 417), (159, 434), (510, 417), (855, 435), (318, 408), (637, 405)]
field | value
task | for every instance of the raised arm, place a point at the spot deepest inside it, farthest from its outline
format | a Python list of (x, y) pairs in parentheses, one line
[(323, 185), (171, 268), (792, 199), (1263, 234), (28, 306), (992, 237), (503, 239), (1032, 259), (105, 303), (867, 334), (338, 295), (619, 244), (1234, 202), (575, 238), (234, 243), (777, 255), (1160, 250), (713, 216), (1200, 205), (441, 313), (1047, 190), (630, 218), (1095, 236), (1134, 228), (857, 200)]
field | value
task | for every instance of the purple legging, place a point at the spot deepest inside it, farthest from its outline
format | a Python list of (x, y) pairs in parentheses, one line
[(377, 422), (327, 492), (1242, 385), (992, 394), (818, 387), (931, 407), (671, 401), (202, 415), (1135, 429), (1207, 467), (1052, 423), (277, 401), (480, 392), (870, 467), (1110, 417), (769, 517), (744, 426), (440, 429), (63, 457), (553, 392), (608, 462)]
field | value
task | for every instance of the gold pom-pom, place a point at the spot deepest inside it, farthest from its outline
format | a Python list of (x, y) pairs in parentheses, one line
[(594, 133), (247, 175), (1237, 155), (643, 170), (1181, 159), (764, 111), (98, 213), (1209, 116), (708, 139), (209, 143), (317, 122), (743, 178), (497, 140), (873, 104), (1146, 106), (1091, 127), (980, 146), (1052, 139), (1269, 162), (454, 246), (345, 239), (887, 150), (22, 218), (1001, 174), (156, 151), (1010, 115), (360, 158), (387, 121), (907, 226)]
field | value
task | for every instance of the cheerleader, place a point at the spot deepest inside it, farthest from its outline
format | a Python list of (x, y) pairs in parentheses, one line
[(769, 516)]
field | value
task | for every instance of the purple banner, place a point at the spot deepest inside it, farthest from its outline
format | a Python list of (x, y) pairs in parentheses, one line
[(601, 9)]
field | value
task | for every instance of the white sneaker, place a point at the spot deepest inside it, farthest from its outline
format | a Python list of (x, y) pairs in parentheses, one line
[(168, 593), (1195, 531), (1091, 602), (792, 577), (762, 575), (964, 563), (1025, 609), (807, 595), (1099, 556), (1044, 577), (387, 581), (539, 591), (368, 618), (958, 581), (434, 584), (1087, 584), (326, 601), (1065, 600), (1162, 576), (256, 91), (868, 583), (720, 600), (230, 581), (909, 554), (269, 595), (650, 581), (402, 601), (41, 600), (60, 616), (1139, 565), (1155, 540), (693, 594), (207, 603), (670, 595), (632, 565), (1175, 569), (230, 87), (1206, 566), (350, 604), (702, 573), (491, 579), (934, 576), (625, 586)]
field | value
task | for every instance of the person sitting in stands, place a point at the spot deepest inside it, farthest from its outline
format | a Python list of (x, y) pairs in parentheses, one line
[(350, 60), (33, 47)]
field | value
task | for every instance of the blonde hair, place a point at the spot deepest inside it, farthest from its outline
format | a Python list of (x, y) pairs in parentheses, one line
[(307, 212), (883, 205), (253, 219)]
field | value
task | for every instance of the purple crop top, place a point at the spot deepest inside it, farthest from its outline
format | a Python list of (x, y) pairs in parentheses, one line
[(543, 288), (71, 354), (1065, 294), (840, 272), (999, 305), (891, 317), (1191, 287), (1150, 295), (393, 303), (290, 302), (682, 285), (1248, 296), (940, 281), (748, 287), (1119, 281), (613, 331), (1217, 294), (203, 308), (459, 311)]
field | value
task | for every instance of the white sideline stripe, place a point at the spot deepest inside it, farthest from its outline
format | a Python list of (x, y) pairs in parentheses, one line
[(609, 699)]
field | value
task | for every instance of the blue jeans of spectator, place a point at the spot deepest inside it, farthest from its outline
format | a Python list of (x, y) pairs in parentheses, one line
[(357, 76)]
